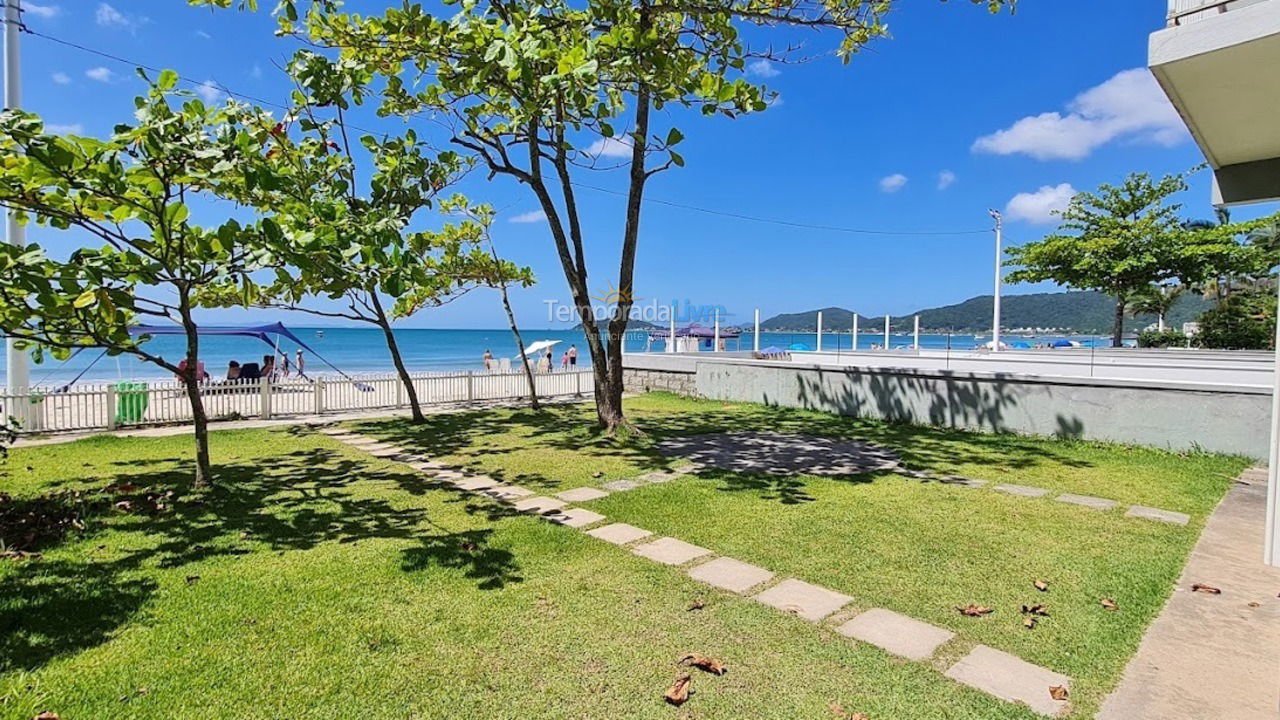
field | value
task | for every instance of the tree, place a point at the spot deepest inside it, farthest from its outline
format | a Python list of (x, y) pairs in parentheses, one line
[(338, 242), (1118, 240), (501, 275), (531, 87), (1155, 300), (133, 193)]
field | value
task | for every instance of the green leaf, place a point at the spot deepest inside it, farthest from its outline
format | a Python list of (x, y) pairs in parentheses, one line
[(674, 136), (167, 80), (87, 298)]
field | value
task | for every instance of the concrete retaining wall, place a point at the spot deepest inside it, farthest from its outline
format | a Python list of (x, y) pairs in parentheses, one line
[(1175, 415)]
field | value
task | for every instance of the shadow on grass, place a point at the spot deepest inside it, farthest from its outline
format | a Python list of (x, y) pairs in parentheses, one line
[(294, 502)]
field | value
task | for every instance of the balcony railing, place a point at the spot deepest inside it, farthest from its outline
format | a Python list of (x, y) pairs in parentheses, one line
[(1182, 12)]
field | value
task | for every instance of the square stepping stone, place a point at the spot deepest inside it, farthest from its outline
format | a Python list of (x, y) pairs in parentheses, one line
[(539, 505), (962, 481), (670, 551), (619, 533), (1088, 501), (621, 485), (808, 601), (479, 482), (729, 574), (449, 475), (581, 494), (1010, 678), (575, 517), (1022, 490), (657, 477), (687, 469), (428, 465), (1151, 513), (387, 452), (898, 634), (508, 492)]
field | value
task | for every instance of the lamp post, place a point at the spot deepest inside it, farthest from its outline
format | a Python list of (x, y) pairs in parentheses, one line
[(855, 330), (16, 377), (995, 310), (755, 344), (819, 343)]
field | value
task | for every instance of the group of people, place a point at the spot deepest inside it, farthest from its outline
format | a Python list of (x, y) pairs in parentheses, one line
[(237, 372), (546, 362)]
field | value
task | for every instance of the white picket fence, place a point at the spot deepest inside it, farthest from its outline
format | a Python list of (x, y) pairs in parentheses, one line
[(116, 405)]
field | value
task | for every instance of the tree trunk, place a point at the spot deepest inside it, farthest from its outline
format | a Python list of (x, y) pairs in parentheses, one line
[(511, 319), (190, 382), (415, 408), (1117, 332)]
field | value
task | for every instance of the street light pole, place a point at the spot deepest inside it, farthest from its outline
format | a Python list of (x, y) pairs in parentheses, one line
[(995, 311), (17, 379)]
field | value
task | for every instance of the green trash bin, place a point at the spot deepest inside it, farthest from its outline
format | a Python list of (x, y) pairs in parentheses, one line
[(131, 402)]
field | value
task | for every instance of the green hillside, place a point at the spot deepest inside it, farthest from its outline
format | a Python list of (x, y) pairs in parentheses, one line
[(1080, 312)]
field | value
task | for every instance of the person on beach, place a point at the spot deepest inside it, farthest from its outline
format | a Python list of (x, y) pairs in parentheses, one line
[(488, 361), (573, 356), (269, 367), (297, 361), (564, 361), (284, 364), (548, 363), (233, 371)]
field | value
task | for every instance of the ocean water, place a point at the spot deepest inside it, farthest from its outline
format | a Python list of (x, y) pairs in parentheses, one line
[(361, 350)]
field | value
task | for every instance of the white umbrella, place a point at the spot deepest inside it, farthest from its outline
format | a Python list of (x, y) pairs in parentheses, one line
[(538, 347)]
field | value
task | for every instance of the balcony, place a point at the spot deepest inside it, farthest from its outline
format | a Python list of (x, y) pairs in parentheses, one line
[(1217, 60)]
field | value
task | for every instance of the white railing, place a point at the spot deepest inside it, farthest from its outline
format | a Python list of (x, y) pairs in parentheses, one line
[(117, 405), (1182, 12)]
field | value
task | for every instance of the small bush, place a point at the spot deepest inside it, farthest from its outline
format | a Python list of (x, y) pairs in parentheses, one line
[(1161, 339), (1244, 321)]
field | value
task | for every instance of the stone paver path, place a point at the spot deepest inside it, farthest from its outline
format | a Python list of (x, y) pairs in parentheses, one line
[(1011, 678), (1151, 513), (729, 574), (895, 633), (1089, 501), (1022, 490), (780, 454), (992, 671), (619, 533), (670, 551), (807, 601), (581, 494)]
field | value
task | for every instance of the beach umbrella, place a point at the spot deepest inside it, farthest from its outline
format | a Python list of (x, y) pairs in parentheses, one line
[(1062, 343), (773, 350), (798, 346), (538, 347)]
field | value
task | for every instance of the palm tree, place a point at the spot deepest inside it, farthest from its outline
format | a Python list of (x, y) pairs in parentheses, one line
[(1155, 300)]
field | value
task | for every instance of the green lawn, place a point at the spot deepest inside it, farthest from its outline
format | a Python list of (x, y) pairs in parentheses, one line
[(318, 582)]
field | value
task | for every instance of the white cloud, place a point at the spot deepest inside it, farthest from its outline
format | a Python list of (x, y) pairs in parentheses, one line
[(44, 11), (61, 78), (762, 68), (533, 216), (210, 93), (610, 147), (946, 179), (1039, 207), (101, 74), (107, 16), (72, 129), (203, 35), (892, 183), (256, 72), (1130, 105)]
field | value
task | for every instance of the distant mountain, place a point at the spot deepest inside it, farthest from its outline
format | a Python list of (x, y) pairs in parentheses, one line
[(1079, 312)]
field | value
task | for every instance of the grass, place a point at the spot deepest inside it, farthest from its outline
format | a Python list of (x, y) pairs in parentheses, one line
[(915, 547), (316, 581)]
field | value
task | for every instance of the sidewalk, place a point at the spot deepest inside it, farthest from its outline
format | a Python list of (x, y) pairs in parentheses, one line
[(1213, 656)]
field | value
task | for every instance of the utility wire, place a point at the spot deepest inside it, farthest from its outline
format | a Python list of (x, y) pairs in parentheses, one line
[(596, 188)]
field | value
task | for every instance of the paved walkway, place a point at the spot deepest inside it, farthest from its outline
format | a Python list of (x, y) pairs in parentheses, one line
[(1213, 656)]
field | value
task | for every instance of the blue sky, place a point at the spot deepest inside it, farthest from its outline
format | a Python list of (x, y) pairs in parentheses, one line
[(959, 111)]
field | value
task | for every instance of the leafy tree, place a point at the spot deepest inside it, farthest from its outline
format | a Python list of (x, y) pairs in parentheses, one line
[(327, 238), (1119, 240), (132, 192), (1245, 320), (530, 87), (1155, 300)]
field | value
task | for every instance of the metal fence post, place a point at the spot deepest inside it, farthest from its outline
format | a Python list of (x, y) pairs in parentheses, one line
[(264, 383), (319, 386), (111, 407), (578, 383)]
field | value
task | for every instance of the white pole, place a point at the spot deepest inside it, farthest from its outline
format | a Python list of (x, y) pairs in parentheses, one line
[(671, 339), (995, 311), (17, 379), (755, 345), (915, 342), (855, 330), (886, 332), (1271, 540), (715, 342), (819, 331)]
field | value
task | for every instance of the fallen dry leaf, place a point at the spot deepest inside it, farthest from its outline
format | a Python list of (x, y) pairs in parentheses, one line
[(838, 710), (696, 605), (1255, 604), (1109, 604), (1057, 692), (193, 579), (1040, 610), (48, 715), (678, 693), (1041, 585), (702, 662), (1207, 589), (1029, 622), (972, 610)]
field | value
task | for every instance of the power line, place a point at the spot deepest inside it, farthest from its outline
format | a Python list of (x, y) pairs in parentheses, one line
[(656, 201)]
